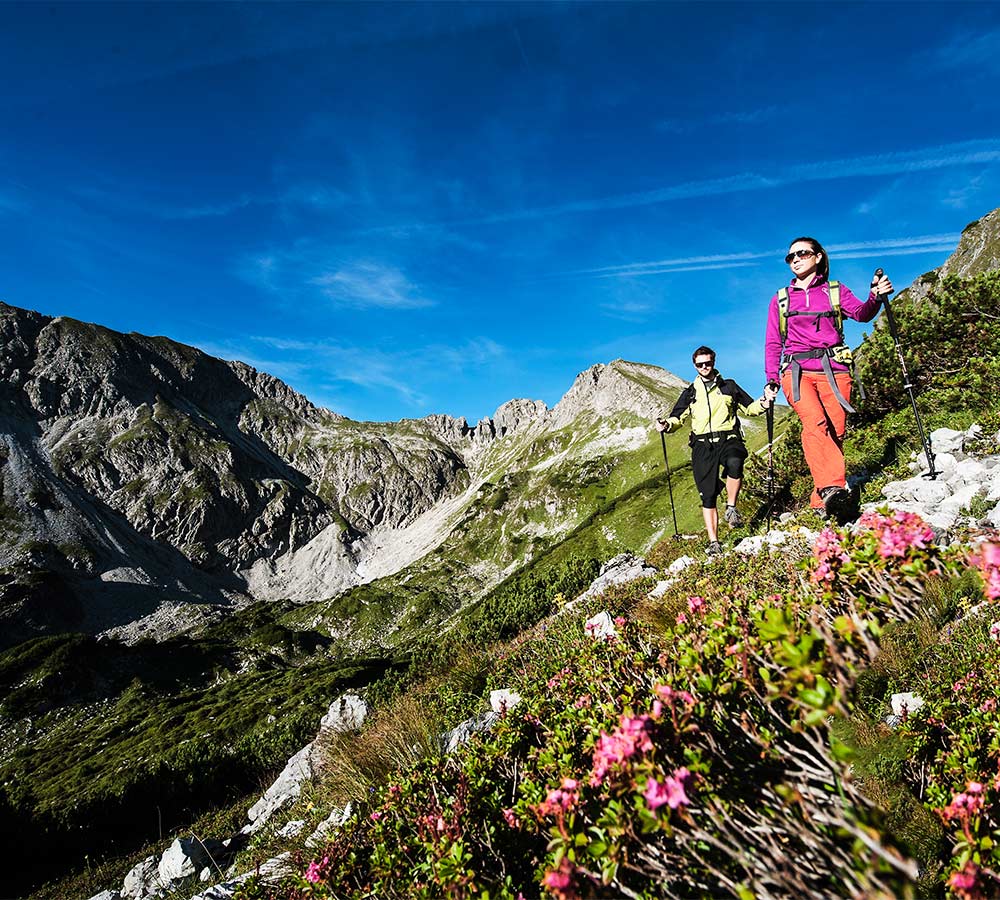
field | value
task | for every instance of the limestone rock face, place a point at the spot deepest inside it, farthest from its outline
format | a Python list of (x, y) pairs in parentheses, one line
[(978, 251), (607, 389)]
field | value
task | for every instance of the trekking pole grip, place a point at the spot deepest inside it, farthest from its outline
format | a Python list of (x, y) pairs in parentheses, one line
[(876, 278)]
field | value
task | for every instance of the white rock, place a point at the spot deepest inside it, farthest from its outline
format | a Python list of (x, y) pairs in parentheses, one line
[(943, 463), (600, 626), (960, 500), (348, 713), (141, 878), (107, 895), (618, 570), (966, 472), (503, 700), (947, 440), (661, 587), (916, 490), (205, 874), (993, 516), (680, 564), (269, 870), (292, 828), (287, 786), (461, 734), (905, 703), (183, 858), (332, 822), (751, 546)]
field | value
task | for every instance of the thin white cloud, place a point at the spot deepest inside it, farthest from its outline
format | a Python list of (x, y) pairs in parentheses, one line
[(898, 251), (369, 284), (475, 351), (704, 267), (628, 311), (958, 198), (737, 117), (122, 195), (928, 243), (305, 269), (966, 153), (969, 51), (329, 362)]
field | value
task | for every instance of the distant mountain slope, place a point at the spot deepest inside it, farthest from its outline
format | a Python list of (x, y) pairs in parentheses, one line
[(143, 480)]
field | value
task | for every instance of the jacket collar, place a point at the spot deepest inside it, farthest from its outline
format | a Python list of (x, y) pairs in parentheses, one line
[(816, 282)]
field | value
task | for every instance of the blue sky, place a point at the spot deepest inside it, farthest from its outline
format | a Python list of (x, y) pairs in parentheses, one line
[(403, 209)]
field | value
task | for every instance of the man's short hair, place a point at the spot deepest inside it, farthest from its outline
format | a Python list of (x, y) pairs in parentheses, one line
[(701, 351)]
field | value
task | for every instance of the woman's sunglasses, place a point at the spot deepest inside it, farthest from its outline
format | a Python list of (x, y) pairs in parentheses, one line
[(799, 254)]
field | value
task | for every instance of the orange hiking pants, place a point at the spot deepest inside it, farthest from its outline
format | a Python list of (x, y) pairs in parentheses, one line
[(823, 423)]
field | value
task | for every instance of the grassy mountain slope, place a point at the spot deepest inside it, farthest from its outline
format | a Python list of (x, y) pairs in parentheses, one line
[(189, 721), (732, 740), (769, 608)]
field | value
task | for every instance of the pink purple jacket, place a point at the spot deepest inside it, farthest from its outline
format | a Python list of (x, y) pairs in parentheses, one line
[(803, 333)]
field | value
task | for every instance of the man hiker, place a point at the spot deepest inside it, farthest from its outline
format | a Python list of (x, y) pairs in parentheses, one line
[(712, 402)]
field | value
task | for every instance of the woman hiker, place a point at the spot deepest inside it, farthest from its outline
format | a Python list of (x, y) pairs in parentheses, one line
[(804, 345), (712, 403)]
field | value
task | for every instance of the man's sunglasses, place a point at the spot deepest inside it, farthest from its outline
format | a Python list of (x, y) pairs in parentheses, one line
[(799, 254), (703, 364)]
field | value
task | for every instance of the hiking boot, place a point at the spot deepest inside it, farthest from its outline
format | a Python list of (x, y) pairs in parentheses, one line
[(714, 548), (733, 517), (838, 503)]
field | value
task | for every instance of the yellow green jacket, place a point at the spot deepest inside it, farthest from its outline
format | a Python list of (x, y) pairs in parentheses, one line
[(713, 406)]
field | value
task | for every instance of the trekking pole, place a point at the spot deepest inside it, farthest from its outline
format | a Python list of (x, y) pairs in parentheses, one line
[(924, 440), (769, 415), (670, 490)]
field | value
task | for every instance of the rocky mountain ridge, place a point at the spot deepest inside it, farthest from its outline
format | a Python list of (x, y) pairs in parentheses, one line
[(145, 480), (978, 251)]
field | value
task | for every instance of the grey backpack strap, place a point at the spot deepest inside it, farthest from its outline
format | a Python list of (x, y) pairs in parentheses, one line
[(828, 369), (796, 378)]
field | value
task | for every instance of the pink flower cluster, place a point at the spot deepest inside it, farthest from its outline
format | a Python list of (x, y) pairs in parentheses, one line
[(965, 883), (560, 880), (559, 676), (615, 749), (988, 563), (561, 800), (670, 791), (965, 805), (696, 604), (898, 533), (829, 553), (315, 870), (666, 693)]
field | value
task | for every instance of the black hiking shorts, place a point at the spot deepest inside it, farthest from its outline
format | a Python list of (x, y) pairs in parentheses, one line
[(708, 458)]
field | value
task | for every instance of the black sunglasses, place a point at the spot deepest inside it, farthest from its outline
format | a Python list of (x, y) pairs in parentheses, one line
[(801, 254), (703, 364)]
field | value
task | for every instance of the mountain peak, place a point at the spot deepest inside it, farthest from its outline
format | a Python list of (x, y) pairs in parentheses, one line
[(605, 389)]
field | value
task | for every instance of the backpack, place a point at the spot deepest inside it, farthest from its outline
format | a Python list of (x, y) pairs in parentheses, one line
[(840, 352), (834, 312)]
